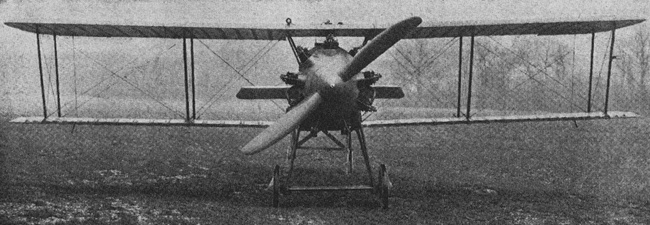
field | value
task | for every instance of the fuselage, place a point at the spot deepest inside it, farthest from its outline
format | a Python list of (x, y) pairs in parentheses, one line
[(322, 71)]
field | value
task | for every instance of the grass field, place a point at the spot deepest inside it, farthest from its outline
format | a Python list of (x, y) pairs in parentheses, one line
[(517, 173)]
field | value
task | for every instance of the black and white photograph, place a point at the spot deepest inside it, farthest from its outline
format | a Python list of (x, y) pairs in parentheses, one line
[(324, 112)]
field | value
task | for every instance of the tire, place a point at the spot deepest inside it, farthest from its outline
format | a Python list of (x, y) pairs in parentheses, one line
[(276, 186), (383, 188)]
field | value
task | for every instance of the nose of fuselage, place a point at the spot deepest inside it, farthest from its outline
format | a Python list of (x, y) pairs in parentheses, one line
[(333, 81), (327, 84), (325, 65)]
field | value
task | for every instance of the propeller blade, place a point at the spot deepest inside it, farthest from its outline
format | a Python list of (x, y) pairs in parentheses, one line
[(287, 123), (378, 45)]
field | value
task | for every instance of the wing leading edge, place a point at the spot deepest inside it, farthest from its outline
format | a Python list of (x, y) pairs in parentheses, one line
[(370, 124), (141, 122), (280, 32)]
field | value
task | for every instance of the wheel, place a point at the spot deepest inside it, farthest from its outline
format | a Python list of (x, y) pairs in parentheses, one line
[(276, 186), (383, 186)]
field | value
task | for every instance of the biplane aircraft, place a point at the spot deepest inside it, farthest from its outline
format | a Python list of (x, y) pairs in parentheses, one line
[(330, 91)]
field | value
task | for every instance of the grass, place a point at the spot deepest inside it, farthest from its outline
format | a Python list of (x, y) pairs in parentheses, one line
[(518, 173)]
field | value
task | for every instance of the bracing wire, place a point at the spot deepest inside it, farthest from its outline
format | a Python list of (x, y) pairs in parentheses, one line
[(98, 93), (48, 69), (254, 56), (532, 77), (599, 77), (74, 75), (113, 73), (431, 59), (226, 62), (531, 64), (573, 67), (211, 101)]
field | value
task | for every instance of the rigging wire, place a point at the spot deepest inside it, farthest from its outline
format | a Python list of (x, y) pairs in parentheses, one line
[(138, 68), (88, 100), (114, 74), (210, 102), (223, 88), (105, 78), (530, 63), (48, 70), (599, 77), (217, 95), (260, 57), (74, 75), (226, 62), (532, 77), (507, 90), (573, 67), (256, 54), (414, 77), (82, 93)]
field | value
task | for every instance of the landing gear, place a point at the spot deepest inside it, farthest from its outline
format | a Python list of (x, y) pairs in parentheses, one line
[(287, 186), (381, 189)]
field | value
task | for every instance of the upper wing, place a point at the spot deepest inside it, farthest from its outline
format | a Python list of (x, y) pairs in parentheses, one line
[(280, 32), (522, 27)]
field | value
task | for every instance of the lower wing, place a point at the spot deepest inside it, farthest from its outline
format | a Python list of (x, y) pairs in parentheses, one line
[(371, 123)]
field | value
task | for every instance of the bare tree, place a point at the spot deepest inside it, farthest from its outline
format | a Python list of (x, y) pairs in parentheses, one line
[(528, 74), (494, 68), (547, 68), (634, 65), (420, 68)]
